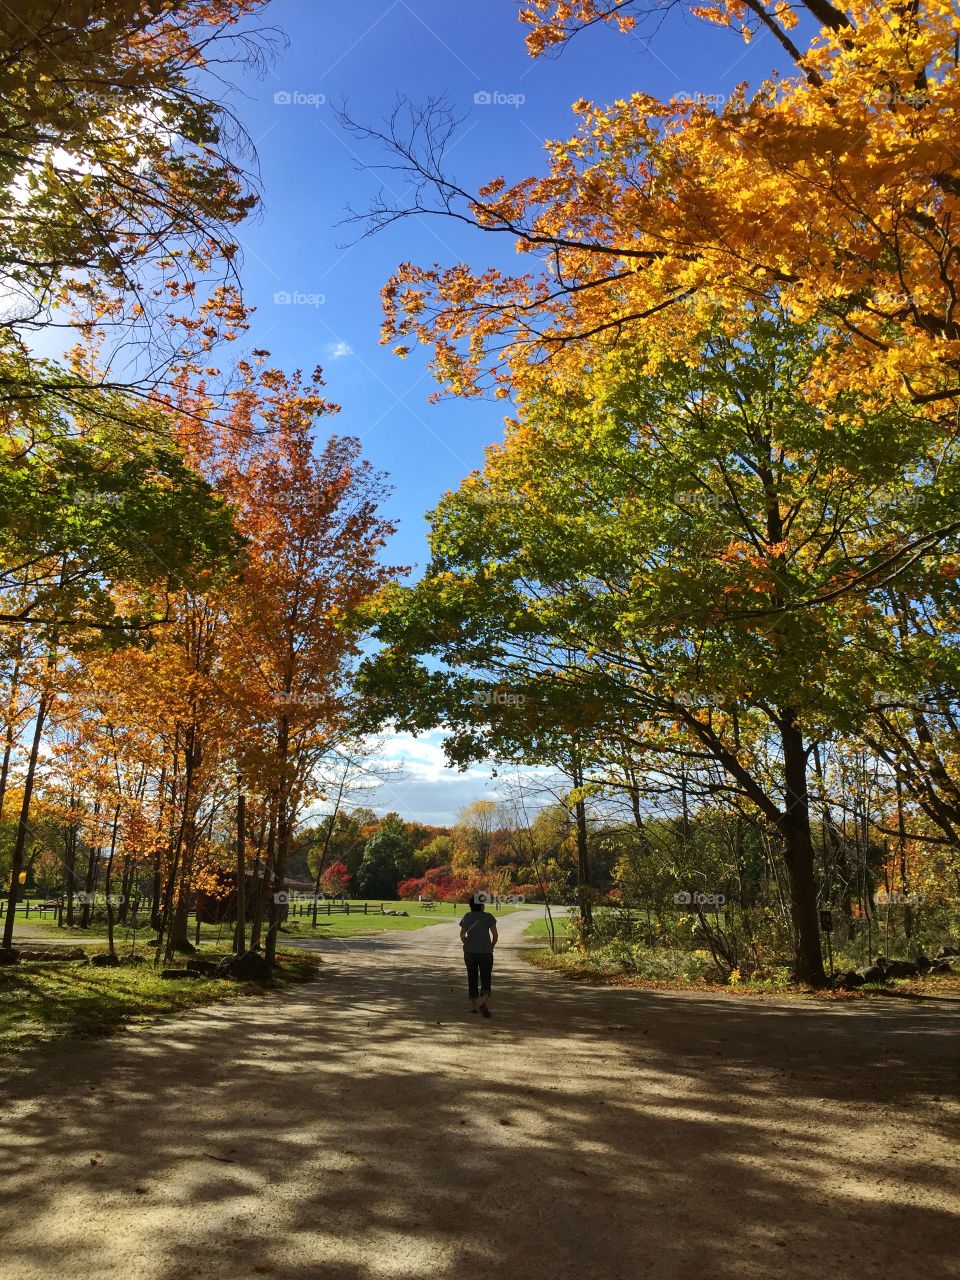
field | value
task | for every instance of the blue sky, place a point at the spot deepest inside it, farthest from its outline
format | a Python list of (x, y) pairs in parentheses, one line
[(365, 54)]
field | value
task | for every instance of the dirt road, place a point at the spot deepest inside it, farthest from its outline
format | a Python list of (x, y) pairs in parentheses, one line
[(366, 1127)]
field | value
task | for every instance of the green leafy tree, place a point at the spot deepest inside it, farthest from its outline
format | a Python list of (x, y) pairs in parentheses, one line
[(99, 519), (351, 830), (386, 859), (650, 562)]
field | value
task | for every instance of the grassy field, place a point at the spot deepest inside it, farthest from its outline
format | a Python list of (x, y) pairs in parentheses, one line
[(336, 925), (539, 928), (343, 926), (42, 1001)]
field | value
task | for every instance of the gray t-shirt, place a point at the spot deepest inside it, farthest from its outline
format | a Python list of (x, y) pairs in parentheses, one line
[(478, 925)]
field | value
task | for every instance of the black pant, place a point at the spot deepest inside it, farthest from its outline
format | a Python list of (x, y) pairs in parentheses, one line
[(479, 969)]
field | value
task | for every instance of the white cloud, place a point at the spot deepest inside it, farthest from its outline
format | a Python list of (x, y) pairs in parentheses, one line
[(420, 786), (426, 789), (337, 350)]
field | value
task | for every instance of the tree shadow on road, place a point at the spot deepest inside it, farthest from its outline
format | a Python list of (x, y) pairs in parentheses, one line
[(367, 1126)]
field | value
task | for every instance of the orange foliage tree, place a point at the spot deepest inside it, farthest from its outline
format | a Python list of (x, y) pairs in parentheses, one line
[(833, 188)]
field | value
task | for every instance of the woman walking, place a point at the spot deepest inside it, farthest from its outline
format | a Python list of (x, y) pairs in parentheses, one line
[(478, 933)]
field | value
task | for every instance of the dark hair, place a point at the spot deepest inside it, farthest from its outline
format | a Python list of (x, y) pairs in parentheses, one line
[(477, 903)]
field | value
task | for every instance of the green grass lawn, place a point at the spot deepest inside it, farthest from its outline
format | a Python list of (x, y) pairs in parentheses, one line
[(41, 1001), (340, 926), (336, 925), (539, 928), (355, 924)]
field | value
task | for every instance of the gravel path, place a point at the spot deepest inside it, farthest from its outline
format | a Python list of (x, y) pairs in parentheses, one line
[(365, 1127)]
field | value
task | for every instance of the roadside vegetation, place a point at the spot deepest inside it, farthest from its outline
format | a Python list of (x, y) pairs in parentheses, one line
[(52, 999)]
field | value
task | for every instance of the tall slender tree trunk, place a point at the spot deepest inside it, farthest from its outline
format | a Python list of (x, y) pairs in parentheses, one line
[(326, 849), (908, 919), (240, 933), (108, 881), (278, 911), (265, 881), (8, 736), (584, 877), (172, 858), (126, 889), (70, 863), (178, 904), (799, 854), (23, 827), (90, 879), (156, 882)]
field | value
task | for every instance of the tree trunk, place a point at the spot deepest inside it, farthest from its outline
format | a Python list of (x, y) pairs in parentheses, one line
[(156, 885), (277, 910), (23, 828), (799, 855), (323, 858), (584, 888), (178, 939), (240, 933), (70, 864), (126, 889), (90, 880), (8, 738), (178, 907), (265, 878), (108, 882)]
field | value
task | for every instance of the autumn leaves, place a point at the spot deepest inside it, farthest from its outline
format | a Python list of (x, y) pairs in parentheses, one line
[(725, 512), (183, 545)]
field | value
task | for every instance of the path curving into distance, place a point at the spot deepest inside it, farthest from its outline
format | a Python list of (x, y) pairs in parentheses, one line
[(365, 1127)]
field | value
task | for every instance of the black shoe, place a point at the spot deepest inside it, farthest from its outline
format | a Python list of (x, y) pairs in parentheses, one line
[(485, 1011)]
